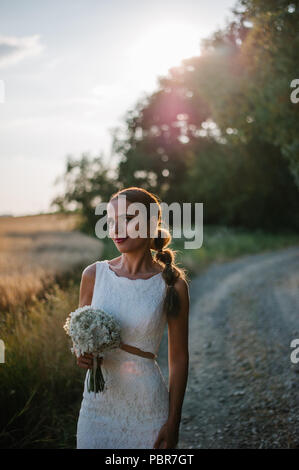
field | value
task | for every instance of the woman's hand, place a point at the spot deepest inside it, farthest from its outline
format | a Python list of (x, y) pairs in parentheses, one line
[(168, 436), (86, 361)]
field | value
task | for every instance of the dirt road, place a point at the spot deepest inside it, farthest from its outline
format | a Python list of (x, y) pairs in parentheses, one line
[(243, 389)]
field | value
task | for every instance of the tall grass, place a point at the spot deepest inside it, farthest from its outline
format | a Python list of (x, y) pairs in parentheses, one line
[(41, 260), (41, 384)]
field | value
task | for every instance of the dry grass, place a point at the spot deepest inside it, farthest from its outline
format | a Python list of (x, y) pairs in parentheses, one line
[(35, 249), (40, 381)]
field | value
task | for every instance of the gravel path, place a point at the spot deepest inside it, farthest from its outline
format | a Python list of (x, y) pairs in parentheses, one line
[(242, 389)]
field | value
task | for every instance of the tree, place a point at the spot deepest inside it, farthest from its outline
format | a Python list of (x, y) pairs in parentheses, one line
[(87, 181)]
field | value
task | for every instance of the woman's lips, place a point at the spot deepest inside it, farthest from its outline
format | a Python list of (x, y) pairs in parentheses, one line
[(120, 240)]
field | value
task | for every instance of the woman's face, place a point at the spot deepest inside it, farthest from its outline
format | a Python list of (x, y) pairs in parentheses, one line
[(121, 225)]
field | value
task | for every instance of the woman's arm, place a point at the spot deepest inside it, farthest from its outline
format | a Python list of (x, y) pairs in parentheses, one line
[(85, 298), (178, 364), (178, 355)]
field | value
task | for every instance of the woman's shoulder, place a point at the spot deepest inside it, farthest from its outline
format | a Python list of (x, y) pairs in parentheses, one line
[(90, 271), (87, 284), (182, 287)]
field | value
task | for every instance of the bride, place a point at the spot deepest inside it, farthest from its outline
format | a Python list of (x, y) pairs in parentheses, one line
[(137, 410)]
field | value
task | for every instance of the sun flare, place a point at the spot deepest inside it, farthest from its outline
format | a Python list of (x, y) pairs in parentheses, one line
[(163, 47)]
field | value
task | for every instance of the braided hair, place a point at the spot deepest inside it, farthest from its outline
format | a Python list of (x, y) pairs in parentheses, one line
[(165, 256)]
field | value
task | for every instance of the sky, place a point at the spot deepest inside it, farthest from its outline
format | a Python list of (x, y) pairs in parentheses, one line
[(69, 72)]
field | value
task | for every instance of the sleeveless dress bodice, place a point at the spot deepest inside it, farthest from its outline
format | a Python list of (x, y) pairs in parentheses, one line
[(135, 402)]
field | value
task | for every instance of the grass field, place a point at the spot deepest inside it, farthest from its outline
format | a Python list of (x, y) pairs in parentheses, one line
[(35, 250), (41, 259), (41, 264)]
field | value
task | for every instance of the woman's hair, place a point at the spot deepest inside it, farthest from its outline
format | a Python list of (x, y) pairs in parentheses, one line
[(164, 256)]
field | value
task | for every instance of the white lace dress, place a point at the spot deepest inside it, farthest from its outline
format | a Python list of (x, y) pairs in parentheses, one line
[(135, 402)]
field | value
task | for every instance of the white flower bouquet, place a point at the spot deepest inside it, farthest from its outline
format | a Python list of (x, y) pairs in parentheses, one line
[(93, 331)]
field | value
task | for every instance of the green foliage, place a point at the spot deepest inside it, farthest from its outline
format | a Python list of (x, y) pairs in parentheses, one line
[(253, 89)]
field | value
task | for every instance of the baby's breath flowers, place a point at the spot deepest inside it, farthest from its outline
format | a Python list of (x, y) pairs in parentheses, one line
[(93, 331)]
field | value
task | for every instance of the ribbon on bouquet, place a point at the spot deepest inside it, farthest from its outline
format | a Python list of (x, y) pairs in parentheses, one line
[(95, 378)]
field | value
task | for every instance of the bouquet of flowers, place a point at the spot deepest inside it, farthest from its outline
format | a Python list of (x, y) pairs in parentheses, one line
[(93, 331)]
